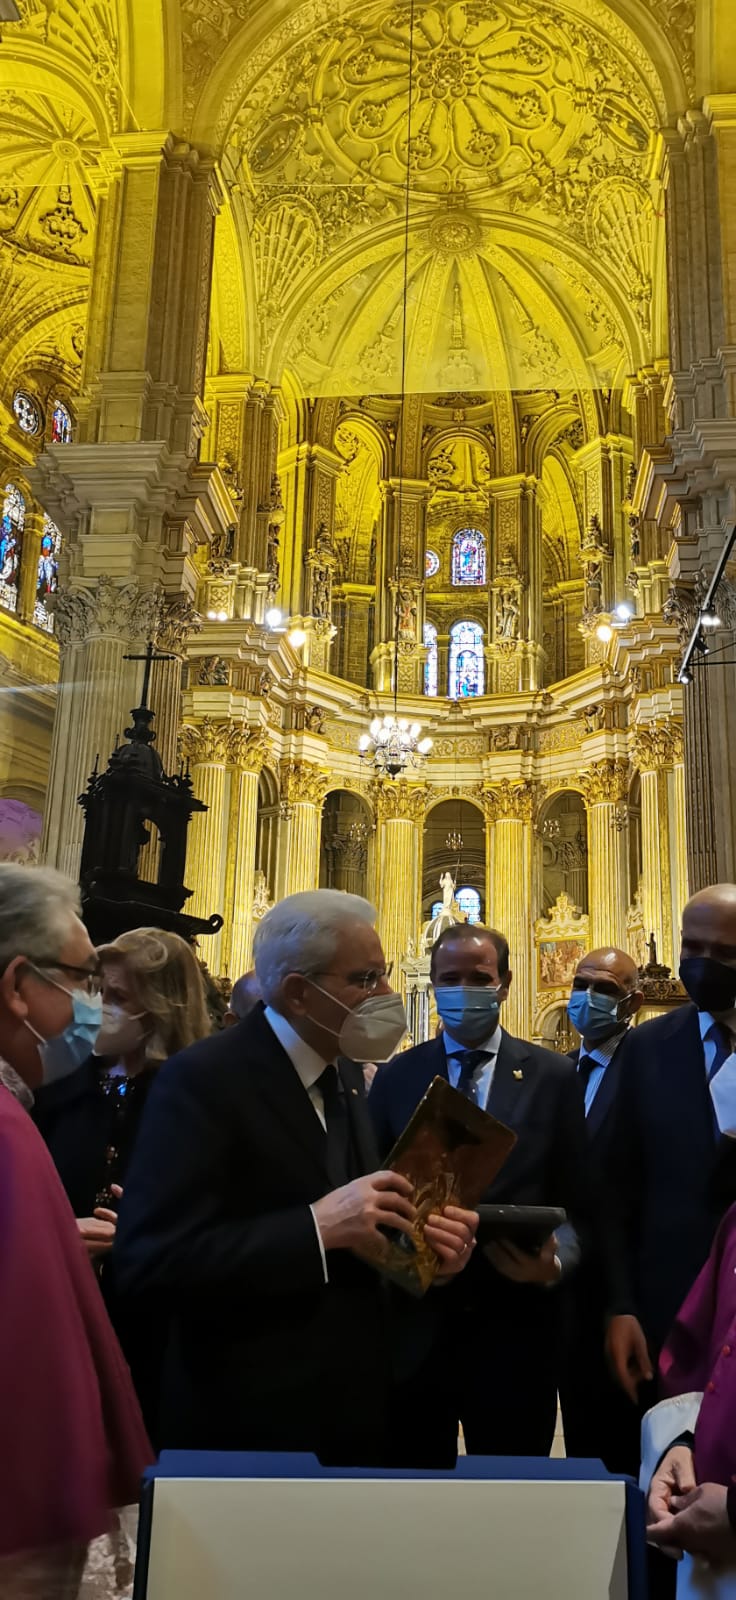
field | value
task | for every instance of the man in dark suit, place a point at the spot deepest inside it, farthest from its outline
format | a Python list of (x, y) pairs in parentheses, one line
[(246, 1204), (598, 1419), (672, 1168), (484, 1352)]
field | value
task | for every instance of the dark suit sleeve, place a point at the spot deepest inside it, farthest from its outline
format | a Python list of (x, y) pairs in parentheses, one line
[(174, 1235), (571, 1171), (379, 1106), (622, 1183)]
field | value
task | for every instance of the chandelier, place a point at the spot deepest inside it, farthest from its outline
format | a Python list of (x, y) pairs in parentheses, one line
[(392, 744), (454, 841)]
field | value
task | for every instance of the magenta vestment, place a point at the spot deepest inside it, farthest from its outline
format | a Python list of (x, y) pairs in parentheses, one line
[(72, 1441), (700, 1354)]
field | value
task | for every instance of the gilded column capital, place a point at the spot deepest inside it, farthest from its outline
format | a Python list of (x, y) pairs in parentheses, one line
[(605, 783), (518, 802), (302, 783), (399, 801), (226, 744), (106, 610), (177, 619), (657, 745)]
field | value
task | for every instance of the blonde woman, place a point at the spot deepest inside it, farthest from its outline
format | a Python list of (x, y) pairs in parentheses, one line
[(153, 1005)]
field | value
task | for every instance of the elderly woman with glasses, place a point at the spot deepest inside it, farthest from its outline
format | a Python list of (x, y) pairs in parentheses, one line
[(72, 1442)]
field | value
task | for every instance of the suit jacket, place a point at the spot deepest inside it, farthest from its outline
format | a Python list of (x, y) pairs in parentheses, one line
[(535, 1092), (264, 1354), (78, 1122), (671, 1175), (600, 1121)]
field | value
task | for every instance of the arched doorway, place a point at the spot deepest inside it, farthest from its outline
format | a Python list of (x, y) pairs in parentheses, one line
[(455, 841), (346, 843), (267, 831), (563, 839)]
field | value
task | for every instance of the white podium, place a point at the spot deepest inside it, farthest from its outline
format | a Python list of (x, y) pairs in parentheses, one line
[(232, 1527)]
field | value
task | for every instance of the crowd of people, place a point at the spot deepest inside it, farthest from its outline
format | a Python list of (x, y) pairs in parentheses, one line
[(187, 1230)]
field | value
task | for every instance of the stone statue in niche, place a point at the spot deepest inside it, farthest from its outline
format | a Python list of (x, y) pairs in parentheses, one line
[(507, 614), (635, 535), (221, 550), (320, 563), (506, 738), (229, 470), (407, 607), (314, 719), (593, 574), (213, 670), (594, 718)]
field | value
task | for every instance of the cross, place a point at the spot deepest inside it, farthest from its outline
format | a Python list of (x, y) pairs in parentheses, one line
[(150, 656)]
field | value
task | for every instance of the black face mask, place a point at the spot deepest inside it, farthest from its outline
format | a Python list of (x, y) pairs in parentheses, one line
[(711, 984)]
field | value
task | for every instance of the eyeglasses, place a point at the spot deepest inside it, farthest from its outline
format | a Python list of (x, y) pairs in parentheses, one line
[(367, 981), (91, 982)]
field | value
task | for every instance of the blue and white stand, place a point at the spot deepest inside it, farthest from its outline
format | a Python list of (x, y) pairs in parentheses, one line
[(280, 1527)]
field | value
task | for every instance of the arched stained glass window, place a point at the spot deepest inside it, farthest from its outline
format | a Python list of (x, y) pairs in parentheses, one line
[(11, 545), (436, 909), (61, 425), (469, 902), (27, 412), (466, 660), (468, 556), (47, 580), (430, 665)]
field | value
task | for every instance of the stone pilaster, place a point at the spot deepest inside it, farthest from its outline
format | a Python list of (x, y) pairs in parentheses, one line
[(605, 789), (249, 753), (656, 750), (400, 808), (303, 789), (510, 809), (220, 864)]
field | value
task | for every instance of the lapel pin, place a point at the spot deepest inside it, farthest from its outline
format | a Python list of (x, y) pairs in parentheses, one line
[(518, 1074), (355, 1091)]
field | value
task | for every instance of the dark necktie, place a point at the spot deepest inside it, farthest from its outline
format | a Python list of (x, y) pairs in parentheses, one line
[(586, 1065), (469, 1061), (724, 1047), (339, 1156)]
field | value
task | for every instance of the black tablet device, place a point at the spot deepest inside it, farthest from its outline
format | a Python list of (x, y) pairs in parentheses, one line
[(528, 1227)]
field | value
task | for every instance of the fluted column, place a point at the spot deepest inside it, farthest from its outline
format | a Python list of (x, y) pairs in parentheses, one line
[(656, 749), (400, 809), (249, 750), (96, 629), (303, 788), (176, 621), (605, 789), (680, 880), (205, 747), (509, 809)]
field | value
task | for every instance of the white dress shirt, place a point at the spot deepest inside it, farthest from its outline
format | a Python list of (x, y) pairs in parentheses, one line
[(602, 1053), (308, 1066), (482, 1079)]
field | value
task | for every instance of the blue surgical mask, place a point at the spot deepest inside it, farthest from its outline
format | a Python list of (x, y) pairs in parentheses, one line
[(594, 1015), (469, 1013), (61, 1056)]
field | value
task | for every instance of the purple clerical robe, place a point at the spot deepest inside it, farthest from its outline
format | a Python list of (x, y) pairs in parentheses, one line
[(700, 1355)]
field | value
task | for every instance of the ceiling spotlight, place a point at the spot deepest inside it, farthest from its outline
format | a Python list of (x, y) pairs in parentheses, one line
[(273, 617), (686, 675), (701, 644), (297, 637), (624, 612), (710, 618), (604, 632)]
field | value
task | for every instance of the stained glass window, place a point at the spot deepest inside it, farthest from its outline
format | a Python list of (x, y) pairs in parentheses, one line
[(436, 909), (469, 902), (61, 425), (11, 544), (430, 665), (27, 412), (47, 580), (466, 660), (469, 556), (431, 563)]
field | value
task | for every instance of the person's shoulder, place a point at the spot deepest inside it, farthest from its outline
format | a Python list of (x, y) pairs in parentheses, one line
[(551, 1062), (645, 1039), (408, 1064), (215, 1057)]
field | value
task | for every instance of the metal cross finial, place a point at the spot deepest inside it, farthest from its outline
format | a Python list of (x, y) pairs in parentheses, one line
[(150, 656)]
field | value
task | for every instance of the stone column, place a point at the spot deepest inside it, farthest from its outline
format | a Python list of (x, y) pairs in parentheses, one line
[(680, 880), (400, 807), (303, 788), (32, 534), (516, 656), (605, 790), (510, 810), (207, 746), (249, 750), (656, 748), (96, 628)]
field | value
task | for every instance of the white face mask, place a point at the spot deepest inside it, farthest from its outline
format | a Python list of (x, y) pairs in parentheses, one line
[(373, 1030), (120, 1033)]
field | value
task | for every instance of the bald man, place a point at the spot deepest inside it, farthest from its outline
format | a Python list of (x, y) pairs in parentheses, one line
[(244, 997), (598, 1419), (672, 1163)]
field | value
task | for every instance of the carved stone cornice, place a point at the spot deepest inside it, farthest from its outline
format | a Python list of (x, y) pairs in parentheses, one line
[(302, 783), (226, 744), (512, 802), (106, 610), (605, 783), (396, 800), (657, 745)]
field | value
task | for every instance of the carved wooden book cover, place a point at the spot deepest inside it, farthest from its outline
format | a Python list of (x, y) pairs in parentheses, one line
[(451, 1152)]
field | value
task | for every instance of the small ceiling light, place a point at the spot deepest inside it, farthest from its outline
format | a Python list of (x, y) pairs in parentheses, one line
[(686, 675), (624, 612), (604, 632), (710, 618), (297, 638), (702, 645), (273, 617)]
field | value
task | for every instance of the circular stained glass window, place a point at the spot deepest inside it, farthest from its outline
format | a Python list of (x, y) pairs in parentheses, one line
[(27, 412), (431, 563)]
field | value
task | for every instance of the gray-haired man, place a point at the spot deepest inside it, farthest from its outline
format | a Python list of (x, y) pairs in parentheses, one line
[(253, 1189)]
